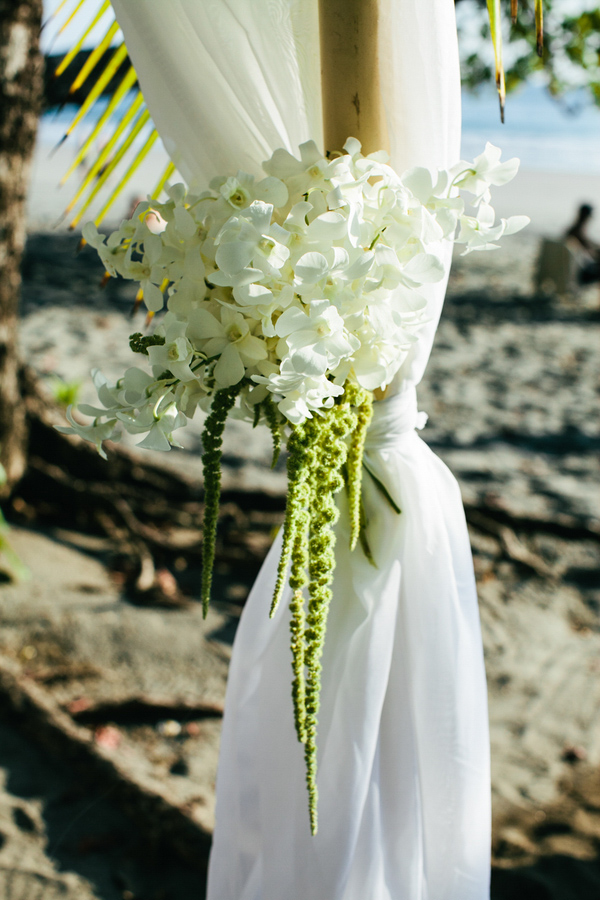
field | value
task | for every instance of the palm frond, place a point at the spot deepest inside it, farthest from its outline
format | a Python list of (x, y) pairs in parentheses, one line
[(70, 56), (495, 16), (124, 125), (539, 26), (496, 30)]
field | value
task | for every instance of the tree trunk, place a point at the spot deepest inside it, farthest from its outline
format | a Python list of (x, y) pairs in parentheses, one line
[(21, 89)]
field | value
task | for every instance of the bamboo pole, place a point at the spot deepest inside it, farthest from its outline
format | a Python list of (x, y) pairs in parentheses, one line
[(350, 79)]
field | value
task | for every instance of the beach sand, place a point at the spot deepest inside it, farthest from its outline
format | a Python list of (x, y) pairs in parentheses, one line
[(512, 397)]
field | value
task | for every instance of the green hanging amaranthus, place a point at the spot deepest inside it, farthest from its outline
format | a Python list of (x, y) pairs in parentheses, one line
[(320, 450), (324, 452), (212, 442), (363, 400)]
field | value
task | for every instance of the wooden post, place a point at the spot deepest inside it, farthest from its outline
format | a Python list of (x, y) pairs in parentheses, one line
[(350, 83), (350, 78)]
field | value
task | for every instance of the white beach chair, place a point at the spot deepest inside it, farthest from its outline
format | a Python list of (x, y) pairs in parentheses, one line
[(556, 268)]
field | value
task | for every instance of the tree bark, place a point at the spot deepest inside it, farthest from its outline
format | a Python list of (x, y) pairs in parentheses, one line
[(21, 91)]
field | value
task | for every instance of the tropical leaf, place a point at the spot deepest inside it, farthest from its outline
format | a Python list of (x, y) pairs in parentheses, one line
[(124, 126), (496, 30), (539, 26)]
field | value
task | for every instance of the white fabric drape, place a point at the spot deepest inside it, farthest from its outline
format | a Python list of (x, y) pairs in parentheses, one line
[(403, 744)]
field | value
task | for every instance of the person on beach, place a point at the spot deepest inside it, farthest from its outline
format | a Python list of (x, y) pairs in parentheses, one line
[(586, 250)]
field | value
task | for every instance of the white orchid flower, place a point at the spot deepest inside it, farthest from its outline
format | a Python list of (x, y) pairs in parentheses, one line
[(96, 432), (485, 170), (317, 340), (302, 395), (176, 354), (229, 339), (480, 232), (246, 245), (262, 303), (160, 435), (309, 172)]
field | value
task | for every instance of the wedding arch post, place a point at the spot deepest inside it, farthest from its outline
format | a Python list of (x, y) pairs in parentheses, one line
[(351, 78), (350, 74)]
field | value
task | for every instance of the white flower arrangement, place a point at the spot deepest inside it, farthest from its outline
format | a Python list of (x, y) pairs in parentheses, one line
[(293, 284), (289, 299)]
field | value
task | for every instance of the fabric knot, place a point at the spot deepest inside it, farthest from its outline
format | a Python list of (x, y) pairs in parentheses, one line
[(393, 418)]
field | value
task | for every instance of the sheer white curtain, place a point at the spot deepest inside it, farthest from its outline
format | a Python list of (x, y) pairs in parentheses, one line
[(403, 763)]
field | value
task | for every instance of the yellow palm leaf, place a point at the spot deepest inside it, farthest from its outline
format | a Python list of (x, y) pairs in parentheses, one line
[(128, 81), (496, 30), (124, 180), (103, 156), (95, 93), (110, 167), (170, 170), (539, 26), (95, 57), (68, 59)]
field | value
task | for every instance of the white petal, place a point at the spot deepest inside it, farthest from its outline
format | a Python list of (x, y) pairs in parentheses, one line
[(424, 269), (155, 439), (230, 368), (152, 248), (153, 297), (419, 182), (352, 146), (203, 325), (259, 214), (282, 164), (252, 294), (291, 320), (516, 223), (245, 276), (331, 226), (233, 256), (311, 267), (272, 190), (184, 222)]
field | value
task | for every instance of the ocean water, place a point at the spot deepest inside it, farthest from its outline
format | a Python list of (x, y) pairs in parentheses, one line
[(548, 135), (539, 130)]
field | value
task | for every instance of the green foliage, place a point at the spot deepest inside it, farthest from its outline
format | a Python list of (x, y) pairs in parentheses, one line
[(66, 393), (570, 56), (326, 481), (300, 460)]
